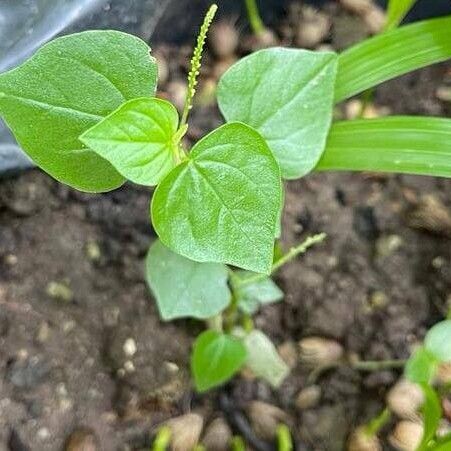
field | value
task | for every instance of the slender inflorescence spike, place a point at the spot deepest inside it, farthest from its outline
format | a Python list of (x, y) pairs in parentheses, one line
[(196, 62)]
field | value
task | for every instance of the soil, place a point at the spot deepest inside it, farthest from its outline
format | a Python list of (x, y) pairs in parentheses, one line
[(81, 344)]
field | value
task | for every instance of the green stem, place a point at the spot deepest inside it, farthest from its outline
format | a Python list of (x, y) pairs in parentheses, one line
[(300, 249), (255, 19), (215, 323), (375, 425), (378, 365), (286, 258), (364, 366)]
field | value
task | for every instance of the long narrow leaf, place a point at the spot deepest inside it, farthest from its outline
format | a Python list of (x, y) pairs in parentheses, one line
[(392, 54), (406, 144), (396, 11)]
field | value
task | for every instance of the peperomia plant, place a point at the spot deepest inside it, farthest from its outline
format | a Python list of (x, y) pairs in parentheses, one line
[(84, 110)]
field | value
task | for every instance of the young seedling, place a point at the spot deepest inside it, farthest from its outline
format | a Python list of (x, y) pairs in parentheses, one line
[(84, 110), (421, 368)]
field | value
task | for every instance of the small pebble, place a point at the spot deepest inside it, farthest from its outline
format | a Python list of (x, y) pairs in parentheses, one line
[(443, 93), (405, 399), (406, 436), (43, 333), (176, 91), (43, 434), (218, 436), (185, 431), (82, 439), (129, 347), (265, 418), (289, 353), (361, 441), (386, 245), (223, 39), (163, 68), (374, 19), (93, 251), (313, 28), (318, 351), (308, 397), (60, 291)]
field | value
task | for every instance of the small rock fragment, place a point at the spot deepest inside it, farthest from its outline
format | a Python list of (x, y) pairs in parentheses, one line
[(28, 372), (405, 399), (93, 251), (289, 353), (360, 440), (60, 291), (223, 39), (185, 431), (432, 216), (265, 418), (443, 93), (163, 68), (129, 347), (217, 436), (375, 19), (318, 351), (406, 436), (43, 332), (443, 374), (82, 439), (177, 93), (308, 397), (313, 28), (263, 40), (386, 245)]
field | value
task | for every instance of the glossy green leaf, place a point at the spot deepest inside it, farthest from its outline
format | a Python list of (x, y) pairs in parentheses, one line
[(287, 95), (222, 203), (216, 358), (421, 366), (432, 413), (264, 360), (252, 290), (438, 341), (138, 139), (68, 86), (403, 144), (391, 54), (184, 288), (396, 11)]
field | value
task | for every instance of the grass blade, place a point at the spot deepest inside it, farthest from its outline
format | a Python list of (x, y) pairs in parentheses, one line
[(396, 11), (391, 54), (405, 144)]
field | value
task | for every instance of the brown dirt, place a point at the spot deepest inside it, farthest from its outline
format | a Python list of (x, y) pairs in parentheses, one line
[(62, 360)]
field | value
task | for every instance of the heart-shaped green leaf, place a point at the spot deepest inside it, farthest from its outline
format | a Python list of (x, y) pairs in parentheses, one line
[(216, 358), (287, 95), (138, 139), (252, 290), (222, 204), (184, 288), (68, 86)]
